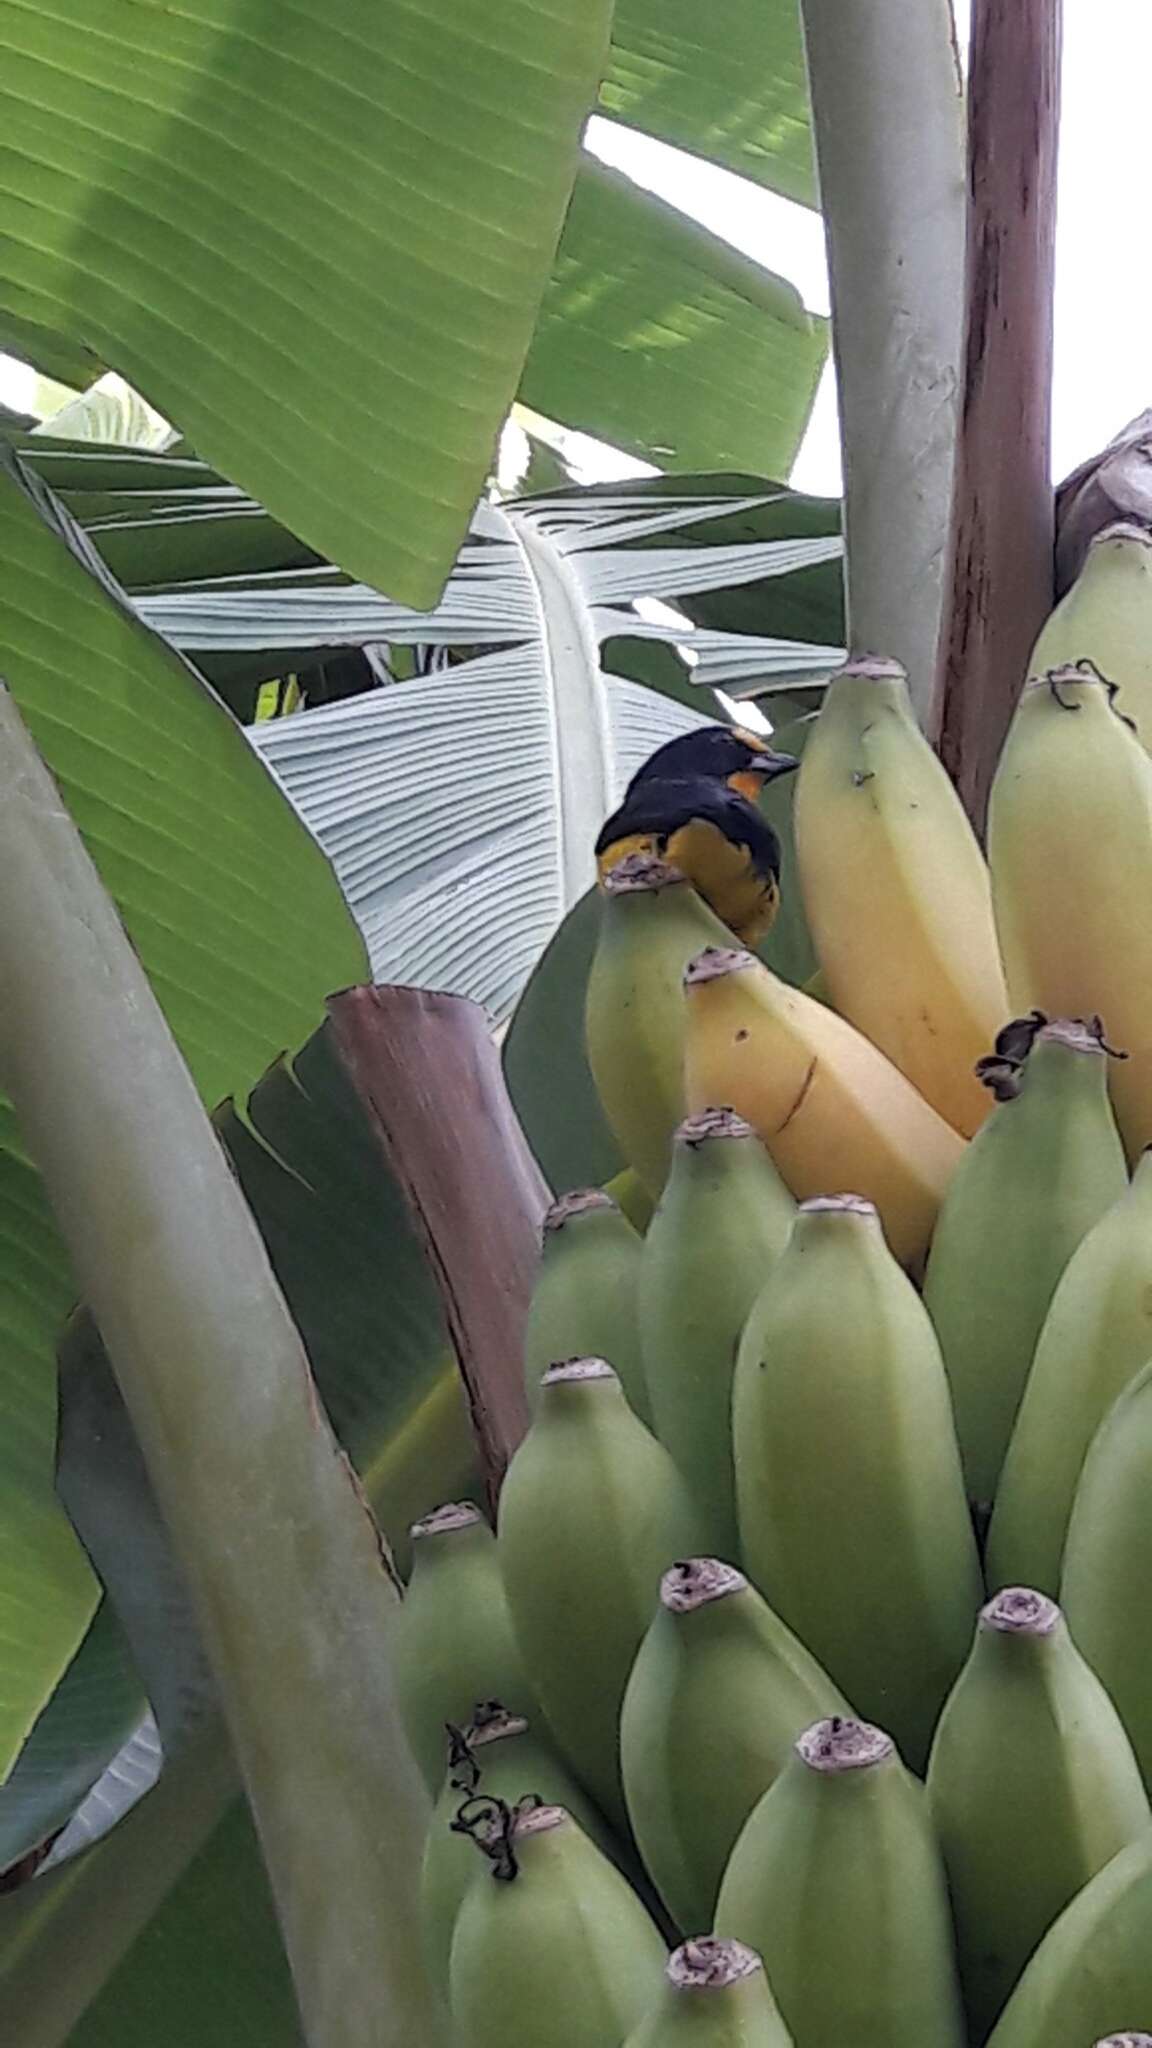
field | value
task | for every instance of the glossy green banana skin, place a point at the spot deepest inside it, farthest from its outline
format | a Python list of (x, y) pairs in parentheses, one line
[(741, 2014), (715, 1702), (1092, 1974), (564, 1956), (592, 1512), (1097, 1336), (838, 1883), (585, 1301), (453, 1642), (1033, 1788), (1034, 1180), (846, 1462), (721, 1223), (1104, 1587)]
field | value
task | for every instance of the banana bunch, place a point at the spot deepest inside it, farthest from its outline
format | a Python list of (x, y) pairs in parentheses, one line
[(802, 1692)]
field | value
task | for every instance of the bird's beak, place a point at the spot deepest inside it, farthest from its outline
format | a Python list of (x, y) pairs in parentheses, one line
[(770, 764)]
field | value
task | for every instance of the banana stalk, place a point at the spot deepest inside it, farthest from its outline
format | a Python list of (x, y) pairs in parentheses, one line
[(715, 1996), (584, 1303), (454, 1641), (896, 891), (651, 924), (1033, 1787), (1108, 1561), (718, 1693), (592, 1512), (552, 1949), (1092, 1972), (1070, 850), (722, 1221), (852, 1511), (830, 1108), (1096, 1337), (837, 1883), (1106, 618), (1042, 1170)]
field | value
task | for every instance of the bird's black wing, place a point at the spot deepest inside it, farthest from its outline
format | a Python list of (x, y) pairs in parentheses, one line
[(661, 808)]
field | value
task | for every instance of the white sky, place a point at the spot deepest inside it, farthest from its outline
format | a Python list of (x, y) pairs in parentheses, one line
[(1104, 275)]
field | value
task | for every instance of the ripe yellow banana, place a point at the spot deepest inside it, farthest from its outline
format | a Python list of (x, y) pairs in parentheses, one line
[(837, 1882), (723, 1218), (715, 1996), (1033, 1788), (852, 1511), (1070, 849), (896, 891), (453, 1641), (584, 1303), (1108, 1561), (1106, 618), (831, 1109), (718, 1694), (1096, 1337), (1034, 1180), (560, 1955), (652, 922), (1092, 1973), (592, 1512)]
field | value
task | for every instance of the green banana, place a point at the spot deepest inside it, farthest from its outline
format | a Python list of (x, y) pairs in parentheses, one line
[(715, 1996), (500, 1757), (559, 1955), (837, 1882), (851, 1501), (1106, 618), (1032, 1786), (1108, 1561), (453, 1641), (653, 923), (718, 1694), (1092, 1973), (592, 1512), (584, 1303), (722, 1221), (1039, 1173), (1096, 1337)]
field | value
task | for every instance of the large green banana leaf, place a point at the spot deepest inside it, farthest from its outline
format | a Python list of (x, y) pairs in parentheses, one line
[(235, 913)]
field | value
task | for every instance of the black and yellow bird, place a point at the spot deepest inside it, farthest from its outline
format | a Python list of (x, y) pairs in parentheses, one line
[(694, 804)]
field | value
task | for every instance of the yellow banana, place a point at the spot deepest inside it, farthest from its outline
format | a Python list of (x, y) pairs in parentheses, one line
[(1070, 849), (837, 1882), (1092, 1973), (715, 1996), (1106, 618), (584, 1303), (652, 922), (831, 1109), (1033, 1788), (1096, 1337), (896, 891), (453, 1640)]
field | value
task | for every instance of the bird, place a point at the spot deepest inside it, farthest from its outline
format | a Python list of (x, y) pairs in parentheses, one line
[(693, 803)]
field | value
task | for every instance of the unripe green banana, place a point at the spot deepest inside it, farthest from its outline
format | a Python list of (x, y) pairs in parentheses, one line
[(560, 1955), (592, 1512), (1092, 1973), (1096, 1337), (652, 924), (1106, 618), (632, 1197), (718, 1694), (1104, 1586), (723, 1220), (1036, 1177), (715, 1996), (837, 1882), (584, 1303), (851, 1501), (502, 1759), (1032, 1786), (453, 1639)]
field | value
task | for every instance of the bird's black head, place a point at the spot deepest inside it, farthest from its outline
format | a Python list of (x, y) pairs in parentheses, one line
[(720, 752)]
